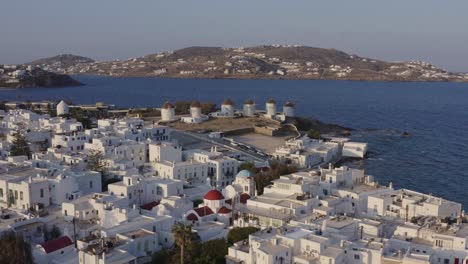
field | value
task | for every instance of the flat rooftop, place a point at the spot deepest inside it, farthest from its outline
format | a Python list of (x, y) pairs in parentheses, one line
[(362, 188), (134, 234)]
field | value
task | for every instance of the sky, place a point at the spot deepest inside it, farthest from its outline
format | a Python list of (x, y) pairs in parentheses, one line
[(430, 30)]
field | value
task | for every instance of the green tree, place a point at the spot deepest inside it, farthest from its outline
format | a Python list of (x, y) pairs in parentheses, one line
[(212, 252), (182, 107), (96, 162), (105, 183), (183, 237), (312, 133), (240, 233), (11, 198), (277, 168), (81, 117), (14, 249), (248, 166), (162, 257), (19, 145), (197, 202), (55, 232), (208, 108)]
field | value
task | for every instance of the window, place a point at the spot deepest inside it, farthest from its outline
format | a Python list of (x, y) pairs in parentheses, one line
[(439, 243), (1, 192), (21, 196), (357, 257), (90, 184), (42, 193)]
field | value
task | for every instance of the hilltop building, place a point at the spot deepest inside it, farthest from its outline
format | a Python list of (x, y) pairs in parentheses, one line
[(249, 108), (270, 107), (168, 112), (227, 108), (288, 109), (62, 108), (196, 115)]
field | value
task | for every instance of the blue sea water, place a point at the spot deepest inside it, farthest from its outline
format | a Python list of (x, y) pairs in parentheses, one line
[(433, 160)]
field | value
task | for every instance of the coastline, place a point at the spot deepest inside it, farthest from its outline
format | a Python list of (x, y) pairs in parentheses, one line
[(263, 78)]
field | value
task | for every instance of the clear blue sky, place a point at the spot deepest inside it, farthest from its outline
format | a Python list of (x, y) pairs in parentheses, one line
[(430, 30)]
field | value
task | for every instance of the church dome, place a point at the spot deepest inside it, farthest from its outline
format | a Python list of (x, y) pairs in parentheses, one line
[(213, 195), (224, 210), (244, 174)]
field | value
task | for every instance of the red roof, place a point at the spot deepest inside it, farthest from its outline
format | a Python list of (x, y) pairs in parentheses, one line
[(192, 217), (195, 104), (167, 105), (56, 244), (203, 211), (249, 102), (224, 210), (244, 197), (149, 206), (214, 195), (227, 102)]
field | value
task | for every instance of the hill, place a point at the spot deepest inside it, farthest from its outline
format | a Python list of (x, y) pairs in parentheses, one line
[(26, 76), (260, 62), (63, 59)]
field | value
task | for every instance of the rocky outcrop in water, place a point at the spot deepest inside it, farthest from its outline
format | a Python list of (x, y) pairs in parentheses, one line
[(23, 76)]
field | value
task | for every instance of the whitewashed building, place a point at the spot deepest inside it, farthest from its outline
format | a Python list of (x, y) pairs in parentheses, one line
[(168, 112), (249, 108)]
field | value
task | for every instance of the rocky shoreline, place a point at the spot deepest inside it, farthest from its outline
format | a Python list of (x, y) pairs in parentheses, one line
[(22, 76)]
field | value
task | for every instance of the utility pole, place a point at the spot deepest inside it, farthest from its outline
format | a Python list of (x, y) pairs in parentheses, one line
[(74, 232), (139, 199)]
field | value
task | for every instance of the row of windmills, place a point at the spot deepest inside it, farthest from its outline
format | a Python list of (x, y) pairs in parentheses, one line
[(228, 110)]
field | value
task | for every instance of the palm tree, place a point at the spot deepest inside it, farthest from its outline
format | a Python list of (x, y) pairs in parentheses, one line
[(183, 237), (14, 249)]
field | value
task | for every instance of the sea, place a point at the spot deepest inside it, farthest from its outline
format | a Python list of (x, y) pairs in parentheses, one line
[(433, 159)]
